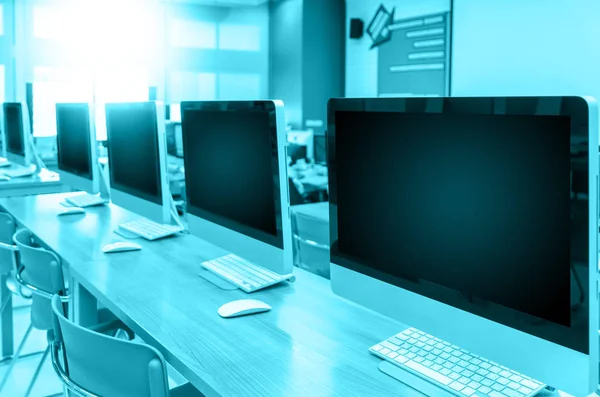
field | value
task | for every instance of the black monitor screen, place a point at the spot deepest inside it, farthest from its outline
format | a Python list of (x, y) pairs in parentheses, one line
[(476, 210), (133, 151), (73, 139), (13, 126), (231, 166)]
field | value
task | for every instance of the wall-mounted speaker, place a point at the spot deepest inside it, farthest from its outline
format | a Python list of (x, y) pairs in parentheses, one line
[(357, 27)]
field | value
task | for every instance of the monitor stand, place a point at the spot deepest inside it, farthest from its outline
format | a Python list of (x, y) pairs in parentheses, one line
[(216, 280)]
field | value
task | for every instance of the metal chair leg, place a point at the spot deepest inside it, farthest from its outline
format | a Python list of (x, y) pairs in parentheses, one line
[(37, 371), (16, 357)]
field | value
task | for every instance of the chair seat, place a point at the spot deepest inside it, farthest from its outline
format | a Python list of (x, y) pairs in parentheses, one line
[(185, 390)]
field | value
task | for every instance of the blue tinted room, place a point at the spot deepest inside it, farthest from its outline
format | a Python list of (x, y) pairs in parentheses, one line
[(299, 198)]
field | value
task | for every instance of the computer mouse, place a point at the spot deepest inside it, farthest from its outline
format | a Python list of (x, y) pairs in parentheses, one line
[(243, 307), (121, 246), (4, 178), (71, 211)]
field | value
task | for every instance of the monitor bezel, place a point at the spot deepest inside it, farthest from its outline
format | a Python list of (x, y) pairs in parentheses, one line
[(89, 183), (130, 199), (23, 158), (356, 282), (244, 241)]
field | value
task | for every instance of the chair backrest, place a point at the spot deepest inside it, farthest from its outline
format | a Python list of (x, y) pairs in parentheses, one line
[(8, 228), (310, 227), (108, 366), (42, 269)]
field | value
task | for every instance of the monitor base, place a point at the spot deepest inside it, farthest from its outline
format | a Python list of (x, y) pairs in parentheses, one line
[(415, 385), (216, 280)]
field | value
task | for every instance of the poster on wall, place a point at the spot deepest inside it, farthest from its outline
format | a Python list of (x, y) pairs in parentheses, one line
[(411, 39)]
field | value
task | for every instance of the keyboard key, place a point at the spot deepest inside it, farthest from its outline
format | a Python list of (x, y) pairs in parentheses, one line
[(392, 355), (512, 393), (514, 385), (396, 341), (472, 367), (505, 374), (477, 378), (503, 381), (384, 351), (448, 349), (525, 390), (463, 363), (457, 386), (428, 348), (467, 391), (457, 369), (516, 378), (485, 365), (529, 384), (431, 357), (467, 373), (401, 359), (422, 353), (431, 342), (413, 349), (494, 393), (428, 372), (466, 357), (484, 389), (476, 361), (453, 360), (436, 352), (482, 372), (474, 385), (412, 341), (487, 382), (444, 371), (448, 365), (418, 359), (390, 346), (376, 348), (454, 376), (464, 380), (402, 351), (495, 369), (445, 355), (497, 387), (440, 346), (411, 355), (457, 353), (492, 376), (420, 345), (402, 336), (427, 363), (437, 368), (439, 361)]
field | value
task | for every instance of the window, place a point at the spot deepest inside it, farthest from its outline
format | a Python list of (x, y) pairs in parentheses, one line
[(193, 34), (191, 86), (52, 86), (239, 37), (239, 86)]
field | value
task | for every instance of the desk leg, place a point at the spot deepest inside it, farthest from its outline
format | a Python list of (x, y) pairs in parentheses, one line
[(6, 319), (85, 305)]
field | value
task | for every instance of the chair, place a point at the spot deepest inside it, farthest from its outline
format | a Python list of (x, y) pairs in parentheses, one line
[(40, 272), (296, 191), (310, 228), (92, 364)]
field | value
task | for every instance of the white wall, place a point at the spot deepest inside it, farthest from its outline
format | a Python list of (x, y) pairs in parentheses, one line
[(526, 47), (361, 61)]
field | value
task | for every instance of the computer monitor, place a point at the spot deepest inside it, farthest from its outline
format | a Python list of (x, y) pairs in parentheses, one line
[(236, 179), (76, 143), (461, 221), (17, 133), (137, 159)]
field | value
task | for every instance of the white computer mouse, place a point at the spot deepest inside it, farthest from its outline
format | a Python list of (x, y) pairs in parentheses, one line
[(71, 211), (242, 307), (121, 246)]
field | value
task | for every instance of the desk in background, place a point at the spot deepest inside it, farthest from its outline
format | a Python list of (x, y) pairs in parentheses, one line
[(45, 182), (312, 343)]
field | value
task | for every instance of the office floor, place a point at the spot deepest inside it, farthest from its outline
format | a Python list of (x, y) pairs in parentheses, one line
[(47, 383)]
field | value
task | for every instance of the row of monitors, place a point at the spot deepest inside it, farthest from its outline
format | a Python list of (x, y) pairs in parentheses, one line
[(456, 214)]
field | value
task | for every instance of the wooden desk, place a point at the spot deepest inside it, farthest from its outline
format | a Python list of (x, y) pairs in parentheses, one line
[(312, 343), (46, 182)]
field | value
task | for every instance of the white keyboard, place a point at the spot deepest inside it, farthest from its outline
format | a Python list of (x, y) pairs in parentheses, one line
[(150, 230), (19, 172), (85, 200), (454, 369), (245, 275)]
